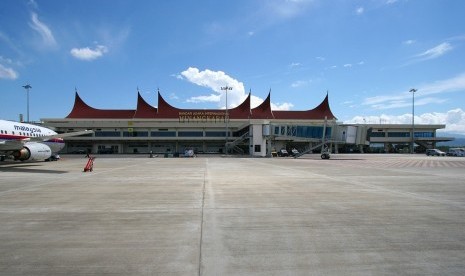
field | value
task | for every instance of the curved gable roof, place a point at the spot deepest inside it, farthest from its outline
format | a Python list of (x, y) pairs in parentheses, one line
[(318, 113), (144, 110), (165, 110), (263, 111), (83, 110), (241, 111)]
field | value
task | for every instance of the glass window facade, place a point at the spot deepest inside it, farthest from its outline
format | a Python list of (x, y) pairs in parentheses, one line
[(377, 134), (398, 134), (312, 131), (190, 134), (424, 134), (215, 134), (302, 131), (135, 134), (163, 133), (107, 134)]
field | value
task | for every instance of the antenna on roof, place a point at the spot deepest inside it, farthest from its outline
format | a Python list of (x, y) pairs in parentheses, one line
[(75, 89)]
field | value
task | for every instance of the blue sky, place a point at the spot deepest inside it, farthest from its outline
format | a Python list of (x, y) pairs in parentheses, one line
[(366, 54)]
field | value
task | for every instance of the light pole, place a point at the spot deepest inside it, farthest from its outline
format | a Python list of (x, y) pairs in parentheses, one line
[(413, 90), (226, 88), (27, 87)]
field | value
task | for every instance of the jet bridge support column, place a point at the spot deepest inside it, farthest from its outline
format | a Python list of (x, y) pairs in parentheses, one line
[(268, 146)]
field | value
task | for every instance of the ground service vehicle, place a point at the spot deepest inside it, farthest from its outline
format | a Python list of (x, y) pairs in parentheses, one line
[(435, 152), (456, 152)]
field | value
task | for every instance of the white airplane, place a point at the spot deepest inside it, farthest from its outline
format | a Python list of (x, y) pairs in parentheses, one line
[(30, 142)]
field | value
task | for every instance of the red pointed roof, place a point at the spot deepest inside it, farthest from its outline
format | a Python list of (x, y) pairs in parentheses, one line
[(241, 111), (144, 110), (166, 111), (318, 113), (83, 110), (263, 111)]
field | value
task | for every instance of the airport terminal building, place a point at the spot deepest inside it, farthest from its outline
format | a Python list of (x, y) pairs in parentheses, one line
[(258, 131)]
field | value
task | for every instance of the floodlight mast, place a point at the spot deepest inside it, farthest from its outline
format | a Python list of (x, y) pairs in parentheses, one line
[(27, 87), (226, 117), (413, 90)]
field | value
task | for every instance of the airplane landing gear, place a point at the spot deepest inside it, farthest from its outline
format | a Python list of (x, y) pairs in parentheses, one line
[(325, 155)]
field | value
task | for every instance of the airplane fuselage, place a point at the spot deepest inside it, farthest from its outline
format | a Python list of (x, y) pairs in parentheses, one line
[(15, 138)]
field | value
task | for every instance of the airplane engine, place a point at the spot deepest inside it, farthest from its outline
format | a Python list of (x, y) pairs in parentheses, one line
[(33, 151)]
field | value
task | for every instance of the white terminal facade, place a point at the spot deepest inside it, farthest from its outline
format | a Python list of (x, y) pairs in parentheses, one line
[(255, 131)]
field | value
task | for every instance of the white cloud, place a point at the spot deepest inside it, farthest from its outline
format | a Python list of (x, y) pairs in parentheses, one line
[(214, 80), (7, 73), (201, 99), (403, 99), (255, 101), (88, 53), (391, 1), (295, 64), (347, 65), (360, 10), (453, 119), (173, 96), (453, 84), (281, 106), (9, 61), (435, 52), (33, 4), (286, 9), (43, 30), (409, 42), (300, 83)]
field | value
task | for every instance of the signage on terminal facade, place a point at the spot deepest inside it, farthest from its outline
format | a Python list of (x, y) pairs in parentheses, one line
[(201, 117)]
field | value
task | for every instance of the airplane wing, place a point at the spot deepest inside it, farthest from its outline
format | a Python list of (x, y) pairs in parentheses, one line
[(61, 135), (10, 145)]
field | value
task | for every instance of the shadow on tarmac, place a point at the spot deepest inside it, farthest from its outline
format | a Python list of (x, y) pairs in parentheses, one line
[(26, 168)]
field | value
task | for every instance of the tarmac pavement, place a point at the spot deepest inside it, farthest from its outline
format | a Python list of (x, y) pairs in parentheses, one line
[(353, 214)]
